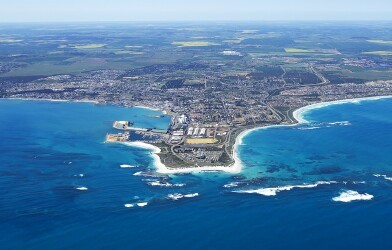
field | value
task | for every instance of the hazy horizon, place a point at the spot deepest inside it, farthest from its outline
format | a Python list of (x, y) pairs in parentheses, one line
[(202, 10)]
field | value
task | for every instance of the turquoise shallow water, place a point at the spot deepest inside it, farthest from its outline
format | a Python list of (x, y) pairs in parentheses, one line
[(46, 146), (341, 140)]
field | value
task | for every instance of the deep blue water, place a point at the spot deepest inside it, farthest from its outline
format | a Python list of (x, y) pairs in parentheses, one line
[(45, 146)]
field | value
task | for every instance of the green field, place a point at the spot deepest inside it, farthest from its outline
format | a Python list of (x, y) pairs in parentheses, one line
[(89, 46), (294, 50), (133, 46), (378, 53), (194, 44), (84, 46), (380, 42), (128, 52), (10, 41), (370, 75), (235, 40)]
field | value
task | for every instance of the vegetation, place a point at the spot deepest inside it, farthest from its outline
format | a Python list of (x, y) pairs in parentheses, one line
[(379, 53), (89, 46), (194, 44), (128, 52), (294, 50), (380, 42), (10, 41)]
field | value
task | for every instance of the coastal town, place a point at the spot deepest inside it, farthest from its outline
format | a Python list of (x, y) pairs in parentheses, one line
[(197, 138), (208, 116)]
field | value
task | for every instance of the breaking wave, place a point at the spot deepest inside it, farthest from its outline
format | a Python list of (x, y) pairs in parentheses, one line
[(147, 174), (164, 184), (232, 184), (343, 123), (82, 188), (319, 125), (178, 196), (142, 204), (274, 190), (384, 176), (308, 128), (350, 195), (128, 166)]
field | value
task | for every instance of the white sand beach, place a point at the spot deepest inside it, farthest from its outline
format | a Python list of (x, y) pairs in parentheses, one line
[(299, 113)]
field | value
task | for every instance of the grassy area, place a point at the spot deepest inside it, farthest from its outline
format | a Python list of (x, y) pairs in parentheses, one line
[(294, 50), (370, 75), (76, 65), (194, 44), (133, 46), (236, 40), (128, 52), (10, 41), (89, 46), (84, 46), (378, 53), (380, 42)]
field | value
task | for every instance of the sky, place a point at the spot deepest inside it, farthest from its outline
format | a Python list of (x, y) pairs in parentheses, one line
[(195, 10)]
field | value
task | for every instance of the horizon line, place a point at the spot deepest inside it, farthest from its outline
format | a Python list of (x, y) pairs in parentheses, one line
[(202, 21)]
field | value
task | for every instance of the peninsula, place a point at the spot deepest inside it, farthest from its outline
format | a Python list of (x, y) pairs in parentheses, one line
[(190, 145)]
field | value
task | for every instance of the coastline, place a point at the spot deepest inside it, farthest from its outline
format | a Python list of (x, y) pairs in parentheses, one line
[(147, 107), (51, 100), (237, 166), (161, 168), (299, 113)]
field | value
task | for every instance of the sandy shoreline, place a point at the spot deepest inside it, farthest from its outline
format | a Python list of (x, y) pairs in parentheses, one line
[(146, 107), (298, 114)]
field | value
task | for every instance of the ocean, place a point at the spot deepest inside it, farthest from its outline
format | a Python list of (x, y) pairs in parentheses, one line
[(322, 185)]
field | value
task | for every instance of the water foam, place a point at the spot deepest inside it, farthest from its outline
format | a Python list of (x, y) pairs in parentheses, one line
[(231, 184), (146, 174), (359, 182), (164, 184), (178, 196), (274, 190), (142, 204), (82, 188), (384, 176), (343, 123), (350, 195), (127, 166), (308, 128)]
